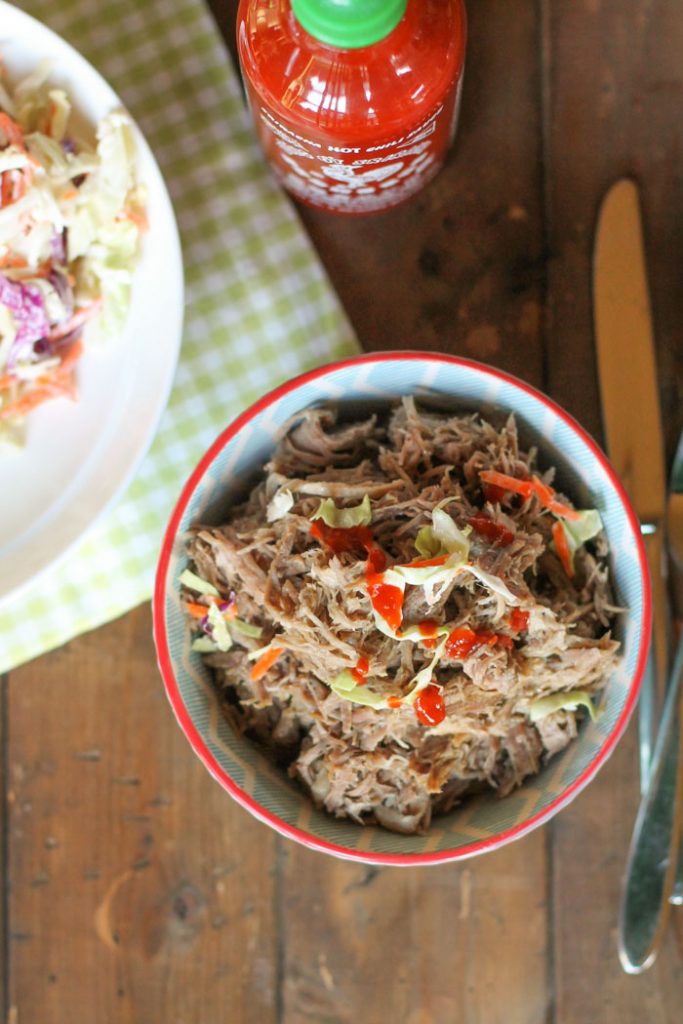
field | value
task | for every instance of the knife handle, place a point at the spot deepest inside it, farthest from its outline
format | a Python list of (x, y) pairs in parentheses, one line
[(652, 855)]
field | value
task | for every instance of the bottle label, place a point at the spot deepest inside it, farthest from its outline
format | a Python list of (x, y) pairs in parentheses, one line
[(357, 178)]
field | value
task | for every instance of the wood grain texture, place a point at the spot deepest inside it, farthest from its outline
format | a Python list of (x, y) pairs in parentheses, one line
[(417, 946), (613, 92), (458, 269), (139, 891)]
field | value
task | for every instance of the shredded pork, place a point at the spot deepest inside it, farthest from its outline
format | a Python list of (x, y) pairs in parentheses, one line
[(385, 766)]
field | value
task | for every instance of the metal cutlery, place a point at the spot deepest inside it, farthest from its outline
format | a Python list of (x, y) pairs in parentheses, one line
[(629, 395), (652, 861), (632, 422), (675, 535)]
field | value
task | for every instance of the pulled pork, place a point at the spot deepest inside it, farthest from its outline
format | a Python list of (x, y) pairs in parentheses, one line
[(386, 766)]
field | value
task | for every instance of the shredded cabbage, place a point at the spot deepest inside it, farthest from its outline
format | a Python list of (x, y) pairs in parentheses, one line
[(246, 628), (345, 686), (219, 631), (279, 505), (70, 228), (196, 583), (443, 537), (204, 645), (562, 702), (344, 518)]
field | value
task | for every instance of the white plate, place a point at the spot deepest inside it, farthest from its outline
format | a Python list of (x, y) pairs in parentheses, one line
[(79, 457)]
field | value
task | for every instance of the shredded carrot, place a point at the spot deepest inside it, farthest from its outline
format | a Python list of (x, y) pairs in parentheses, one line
[(138, 217), (6, 188), (7, 381), (197, 611), (560, 538), (508, 483), (31, 400), (265, 662), (10, 261), (563, 511), (70, 193), (544, 493), (14, 184), (425, 563), (12, 130), (77, 320), (56, 383), (44, 270), (72, 354)]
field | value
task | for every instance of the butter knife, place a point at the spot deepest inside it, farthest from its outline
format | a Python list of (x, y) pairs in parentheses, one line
[(631, 414), (632, 421)]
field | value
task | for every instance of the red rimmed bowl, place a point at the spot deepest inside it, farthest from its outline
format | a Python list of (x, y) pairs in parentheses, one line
[(367, 383)]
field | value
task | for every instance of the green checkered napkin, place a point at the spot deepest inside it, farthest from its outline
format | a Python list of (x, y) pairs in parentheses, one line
[(259, 308)]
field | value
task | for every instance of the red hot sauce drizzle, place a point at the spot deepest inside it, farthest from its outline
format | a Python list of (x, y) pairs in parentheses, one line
[(429, 706), (519, 620), (387, 601), (497, 533), (360, 672), (353, 539), (464, 640)]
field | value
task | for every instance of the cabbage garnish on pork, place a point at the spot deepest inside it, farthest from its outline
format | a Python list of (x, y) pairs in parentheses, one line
[(416, 634)]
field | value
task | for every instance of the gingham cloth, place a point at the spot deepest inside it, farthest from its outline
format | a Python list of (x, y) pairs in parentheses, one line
[(259, 308)]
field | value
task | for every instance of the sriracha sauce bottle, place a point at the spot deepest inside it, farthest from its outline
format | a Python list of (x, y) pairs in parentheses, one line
[(355, 101)]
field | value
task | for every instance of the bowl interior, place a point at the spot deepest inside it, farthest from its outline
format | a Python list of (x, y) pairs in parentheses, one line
[(228, 471)]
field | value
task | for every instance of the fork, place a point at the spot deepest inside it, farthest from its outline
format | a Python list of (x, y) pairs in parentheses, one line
[(654, 872), (675, 517)]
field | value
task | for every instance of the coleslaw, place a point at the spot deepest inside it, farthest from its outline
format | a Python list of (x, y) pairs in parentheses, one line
[(71, 217)]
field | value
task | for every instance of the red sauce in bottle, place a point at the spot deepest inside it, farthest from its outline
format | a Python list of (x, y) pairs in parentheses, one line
[(349, 127), (429, 705)]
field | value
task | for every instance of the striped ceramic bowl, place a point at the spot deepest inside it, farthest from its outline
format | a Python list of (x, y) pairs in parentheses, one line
[(363, 383)]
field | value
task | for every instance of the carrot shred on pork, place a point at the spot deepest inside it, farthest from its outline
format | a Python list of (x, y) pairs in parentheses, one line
[(265, 662)]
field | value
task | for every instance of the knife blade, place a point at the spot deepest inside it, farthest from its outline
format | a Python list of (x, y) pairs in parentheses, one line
[(631, 414)]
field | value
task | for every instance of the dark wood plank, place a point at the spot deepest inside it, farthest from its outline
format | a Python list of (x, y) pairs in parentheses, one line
[(419, 946), (614, 83), (458, 269), (140, 891)]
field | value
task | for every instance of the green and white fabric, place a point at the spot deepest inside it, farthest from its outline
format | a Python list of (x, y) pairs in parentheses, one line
[(259, 308)]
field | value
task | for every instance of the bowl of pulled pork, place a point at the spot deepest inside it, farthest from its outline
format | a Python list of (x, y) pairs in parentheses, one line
[(402, 609)]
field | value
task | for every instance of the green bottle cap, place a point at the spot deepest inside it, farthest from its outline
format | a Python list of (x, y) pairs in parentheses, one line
[(349, 24)]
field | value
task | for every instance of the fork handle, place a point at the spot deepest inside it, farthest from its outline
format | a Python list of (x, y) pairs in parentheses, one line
[(654, 845), (653, 686)]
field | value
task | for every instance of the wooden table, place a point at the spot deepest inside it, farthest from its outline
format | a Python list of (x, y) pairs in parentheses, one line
[(138, 893)]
